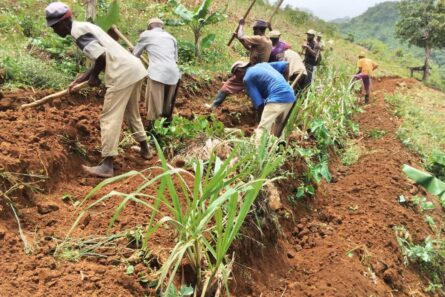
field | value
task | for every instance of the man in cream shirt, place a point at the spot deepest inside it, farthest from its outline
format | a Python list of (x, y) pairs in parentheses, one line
[(163, 72), (124, 74)]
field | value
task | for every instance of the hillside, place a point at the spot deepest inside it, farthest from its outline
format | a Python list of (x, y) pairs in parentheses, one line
[(324, 210), (375, 29)]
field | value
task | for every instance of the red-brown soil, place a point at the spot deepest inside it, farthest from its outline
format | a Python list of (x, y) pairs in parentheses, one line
[(356, 212), (344, 244)]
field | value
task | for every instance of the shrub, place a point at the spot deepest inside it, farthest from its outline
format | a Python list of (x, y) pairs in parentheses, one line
[(28, 71)]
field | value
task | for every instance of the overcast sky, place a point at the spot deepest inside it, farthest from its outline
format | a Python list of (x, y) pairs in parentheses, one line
[(333, 9)]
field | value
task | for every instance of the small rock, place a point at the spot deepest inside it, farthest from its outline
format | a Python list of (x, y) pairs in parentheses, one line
[(45, 209), (85, 221), (303, 233), (290, 255), (298, 247)]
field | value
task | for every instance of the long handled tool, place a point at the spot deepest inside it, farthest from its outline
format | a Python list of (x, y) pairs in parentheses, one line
[(128, 42), (297, 79), (53, 96), (237, 28), (276, 10)]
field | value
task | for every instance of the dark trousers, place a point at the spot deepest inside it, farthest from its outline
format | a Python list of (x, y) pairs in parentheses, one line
[(309, 70)]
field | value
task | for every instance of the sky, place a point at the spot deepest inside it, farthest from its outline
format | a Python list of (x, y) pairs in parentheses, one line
[(333, 9)]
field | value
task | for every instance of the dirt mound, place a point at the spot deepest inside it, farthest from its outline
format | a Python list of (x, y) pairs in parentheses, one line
[(345, 245), (340, 243), (41, 151)]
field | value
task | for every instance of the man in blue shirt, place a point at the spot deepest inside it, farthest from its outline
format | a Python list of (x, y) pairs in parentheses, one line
[(267, 86)]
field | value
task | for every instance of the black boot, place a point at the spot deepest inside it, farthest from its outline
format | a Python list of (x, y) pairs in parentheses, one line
[(366, 99), (145, 150), (106, 169)]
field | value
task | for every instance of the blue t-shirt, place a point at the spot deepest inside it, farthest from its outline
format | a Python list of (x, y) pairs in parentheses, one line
[(265, 84)]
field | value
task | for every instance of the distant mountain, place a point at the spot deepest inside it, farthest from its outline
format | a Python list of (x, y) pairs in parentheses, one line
[(379, 23), (341, 20)]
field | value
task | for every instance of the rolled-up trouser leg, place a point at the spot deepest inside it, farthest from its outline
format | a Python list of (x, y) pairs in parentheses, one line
[(111, 118), (154, 99), (273, 117), (169, 93), (132, 114)]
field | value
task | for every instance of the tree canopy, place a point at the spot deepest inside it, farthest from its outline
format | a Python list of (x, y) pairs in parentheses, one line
[(422, 22)]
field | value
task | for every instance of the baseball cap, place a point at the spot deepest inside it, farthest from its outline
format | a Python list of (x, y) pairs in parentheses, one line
[(238, 64), (362, 54), (274, 34), (311, 32), (155, 20), (260, 24), (56, 12), (319, 34)]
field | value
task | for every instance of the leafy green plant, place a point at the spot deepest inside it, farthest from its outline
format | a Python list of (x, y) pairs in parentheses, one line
[(423, 203), (429, 255), (196, 20), (111, 17), (181, 129), (433, 185), (436, 164), (206, 213)]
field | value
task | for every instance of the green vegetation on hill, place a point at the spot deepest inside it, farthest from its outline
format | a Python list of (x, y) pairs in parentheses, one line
[(375, 30), (28, 44)]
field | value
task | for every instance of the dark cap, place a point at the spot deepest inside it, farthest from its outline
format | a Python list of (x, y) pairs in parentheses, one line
[(260, 24)]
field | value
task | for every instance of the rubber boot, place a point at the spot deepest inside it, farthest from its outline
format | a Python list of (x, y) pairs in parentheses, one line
[(366, 99), (145, 150), (106, 169)]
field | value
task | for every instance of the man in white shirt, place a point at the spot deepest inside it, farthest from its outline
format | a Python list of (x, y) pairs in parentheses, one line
[(163, 72), (124, 74)]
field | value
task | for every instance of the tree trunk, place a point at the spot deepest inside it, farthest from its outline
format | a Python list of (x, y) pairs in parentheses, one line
[(426, 65), (90, 7), (197, 45)]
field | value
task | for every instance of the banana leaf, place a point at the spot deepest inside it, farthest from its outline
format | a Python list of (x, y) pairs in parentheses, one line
[(110, 18), (432, 184)]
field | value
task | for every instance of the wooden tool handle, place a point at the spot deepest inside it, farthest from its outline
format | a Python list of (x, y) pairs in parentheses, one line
[(54, 96), (128, 42), (275, 11), (297, 79), (245, 16)]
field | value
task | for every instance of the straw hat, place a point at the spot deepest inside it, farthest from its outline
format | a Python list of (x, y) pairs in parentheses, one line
[(274, 34)]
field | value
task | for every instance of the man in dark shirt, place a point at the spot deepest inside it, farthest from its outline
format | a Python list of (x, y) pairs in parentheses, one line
[(310, 51)]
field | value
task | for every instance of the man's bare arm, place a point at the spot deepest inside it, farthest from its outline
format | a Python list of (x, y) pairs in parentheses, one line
[(92, 74)]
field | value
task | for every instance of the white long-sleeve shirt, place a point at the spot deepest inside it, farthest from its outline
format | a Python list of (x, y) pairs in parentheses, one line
[(162, 50)]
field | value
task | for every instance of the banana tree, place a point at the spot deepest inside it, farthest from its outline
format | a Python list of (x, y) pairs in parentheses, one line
[(196, 19)]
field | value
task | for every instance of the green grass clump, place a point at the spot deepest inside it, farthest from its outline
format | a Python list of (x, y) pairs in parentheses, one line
[(423, 127), (351, 153), (375, 133), (25, 70)]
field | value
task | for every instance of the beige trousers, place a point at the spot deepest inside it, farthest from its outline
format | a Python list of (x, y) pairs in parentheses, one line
[(272, 119), (158, 99), (120, 105)]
